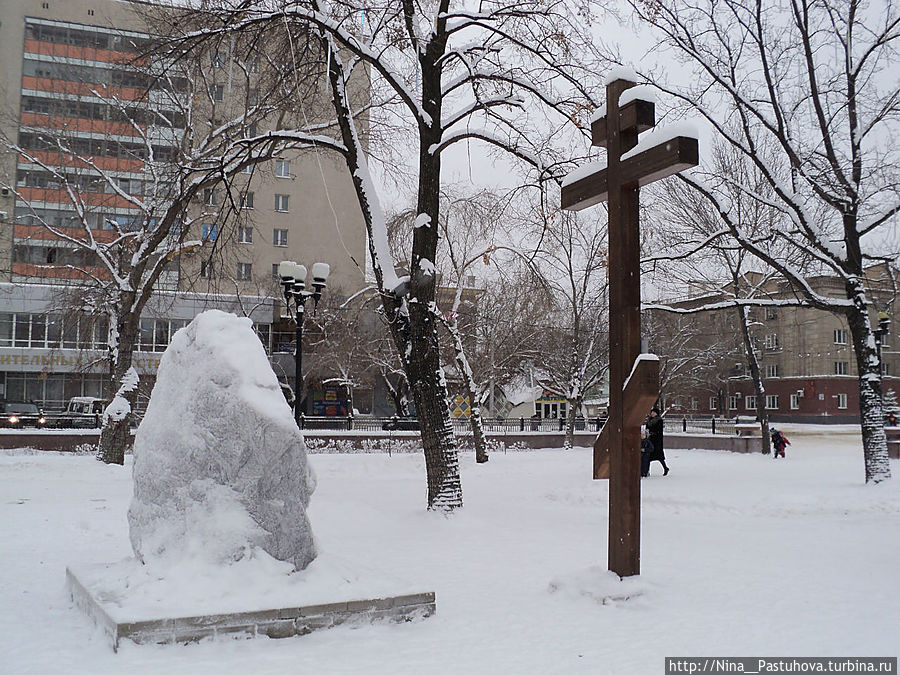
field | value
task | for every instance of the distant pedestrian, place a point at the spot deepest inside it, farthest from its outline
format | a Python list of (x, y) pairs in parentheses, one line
[(655, 434), (646, 451), (779, 442)]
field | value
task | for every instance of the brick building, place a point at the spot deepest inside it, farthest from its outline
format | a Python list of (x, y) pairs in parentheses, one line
[(806, 357)]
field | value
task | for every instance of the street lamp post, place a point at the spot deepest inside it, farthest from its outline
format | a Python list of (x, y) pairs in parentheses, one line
[(293, 279), (884, 325)]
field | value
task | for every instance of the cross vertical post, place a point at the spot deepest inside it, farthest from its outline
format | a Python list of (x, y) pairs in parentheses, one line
[(633, 378), (624, 553)]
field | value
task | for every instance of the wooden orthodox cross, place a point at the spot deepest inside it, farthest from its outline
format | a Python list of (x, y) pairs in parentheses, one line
[(633, 380)]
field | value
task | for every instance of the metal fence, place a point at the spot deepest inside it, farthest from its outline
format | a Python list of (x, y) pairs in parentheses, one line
[(707, 425), (701, 425), (460, 426)]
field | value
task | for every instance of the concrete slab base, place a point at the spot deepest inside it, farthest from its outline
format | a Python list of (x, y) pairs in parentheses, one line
[(275, 622)]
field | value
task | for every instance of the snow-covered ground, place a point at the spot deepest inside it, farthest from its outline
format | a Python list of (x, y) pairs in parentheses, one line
[(742, 555)]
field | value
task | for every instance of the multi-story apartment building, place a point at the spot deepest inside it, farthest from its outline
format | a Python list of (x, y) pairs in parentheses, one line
[(807, 362), (79, 96)]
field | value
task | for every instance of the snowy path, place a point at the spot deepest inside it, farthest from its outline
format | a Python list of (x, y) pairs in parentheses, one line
[(743, 555)]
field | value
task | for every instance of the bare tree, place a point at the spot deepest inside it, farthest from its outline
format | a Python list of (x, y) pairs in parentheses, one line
[(723, 265), (491, 340), (573, 261), (811, 81), (455, 74)]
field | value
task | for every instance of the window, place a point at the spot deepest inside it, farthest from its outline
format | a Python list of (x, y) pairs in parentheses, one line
[(210, 198), (206, 269), (840, 336), (283, 168), (216, 59), (161, 335), (695, 403), (247, 200), (772, 402), (245, 234), (281, 202), (209, 231), (279, 237), (732, 402), (841, 367), (275, 274), (885, 368), (217, 91), (795, 402), (750, 402), (771, 370), (154, 334), (842, 401), (244, 270), (253, 97), (713, 403), (772, 341), (771, 313)]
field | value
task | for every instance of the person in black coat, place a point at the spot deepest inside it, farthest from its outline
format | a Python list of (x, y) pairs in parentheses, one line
[(655, 433)]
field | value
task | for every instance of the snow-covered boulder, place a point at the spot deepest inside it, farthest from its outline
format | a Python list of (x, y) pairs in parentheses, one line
[(220, 467)]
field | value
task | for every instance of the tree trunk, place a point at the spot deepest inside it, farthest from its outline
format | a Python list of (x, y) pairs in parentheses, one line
[(756, 377), (115, 435), (429, 392), (426, 377), (398, 395), (475, 422), (478, 437), (573, 405), (871, 409), (412, 321)]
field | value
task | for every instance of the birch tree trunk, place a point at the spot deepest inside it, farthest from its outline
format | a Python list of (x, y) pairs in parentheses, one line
[(574, 405), (871, 408)]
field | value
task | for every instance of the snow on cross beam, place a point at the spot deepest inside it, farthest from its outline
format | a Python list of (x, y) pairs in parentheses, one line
[(636, 114), (660, 161)]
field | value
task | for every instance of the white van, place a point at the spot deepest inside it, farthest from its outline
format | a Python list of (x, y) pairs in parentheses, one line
[(83, 412)]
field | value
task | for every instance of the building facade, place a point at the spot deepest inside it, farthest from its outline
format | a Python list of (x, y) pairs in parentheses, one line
[(806, 358), (80, 98)]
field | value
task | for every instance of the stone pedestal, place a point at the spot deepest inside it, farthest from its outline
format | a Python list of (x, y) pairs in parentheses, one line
[(292, 617)]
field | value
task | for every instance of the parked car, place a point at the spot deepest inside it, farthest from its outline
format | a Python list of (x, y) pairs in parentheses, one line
[(82, 412), (21, 414)]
